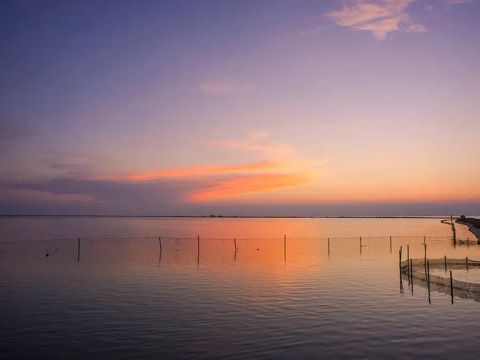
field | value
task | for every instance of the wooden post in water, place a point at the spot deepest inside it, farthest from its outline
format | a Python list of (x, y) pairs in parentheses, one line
[(451, 285), (401, 284), (360, 245), (328, 246), (408, 272), (425, 254), (454, 231), (466, 262), (400, 268), (428, 281), (235, 249), (198, 250), (424, 240), (285, 248), (390, 244), (454, 234), (411, 271), (408, 262), (411, 275), (78, 250), (400, 258), (161, 250), (428, 273), (445, 263)]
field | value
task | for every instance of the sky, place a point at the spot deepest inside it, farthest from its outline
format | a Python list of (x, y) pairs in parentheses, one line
[(348, 107)]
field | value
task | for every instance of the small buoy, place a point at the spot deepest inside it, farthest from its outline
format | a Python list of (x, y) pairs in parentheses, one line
[(47, 254), (258, 249)]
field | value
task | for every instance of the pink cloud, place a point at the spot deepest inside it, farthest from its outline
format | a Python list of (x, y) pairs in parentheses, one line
[(379, 17)]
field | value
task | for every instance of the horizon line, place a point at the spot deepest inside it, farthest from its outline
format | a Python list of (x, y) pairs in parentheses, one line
[(220, 216)]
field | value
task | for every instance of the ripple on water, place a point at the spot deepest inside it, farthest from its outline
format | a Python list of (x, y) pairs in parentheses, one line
[(129, 303)]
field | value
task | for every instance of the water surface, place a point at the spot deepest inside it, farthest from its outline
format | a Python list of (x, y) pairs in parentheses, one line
[(308, 296)]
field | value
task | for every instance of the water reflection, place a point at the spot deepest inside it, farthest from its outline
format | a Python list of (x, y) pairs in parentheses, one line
[(213, 288), (459, 278)]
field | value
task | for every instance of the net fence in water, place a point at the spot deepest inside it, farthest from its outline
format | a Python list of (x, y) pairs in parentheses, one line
[(419, 269), (397, 238)]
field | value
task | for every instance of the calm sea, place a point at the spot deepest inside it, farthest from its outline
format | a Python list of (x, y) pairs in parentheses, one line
[(228, 288)]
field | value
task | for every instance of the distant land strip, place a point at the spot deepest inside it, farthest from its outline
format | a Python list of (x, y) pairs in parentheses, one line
[(243, 216)]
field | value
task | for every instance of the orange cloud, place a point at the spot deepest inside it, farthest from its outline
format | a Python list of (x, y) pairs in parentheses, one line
[(246, 185), (212, 183), (202, 171)]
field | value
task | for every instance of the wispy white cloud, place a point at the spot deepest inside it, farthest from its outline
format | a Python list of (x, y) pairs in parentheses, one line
[(380, 17), (223, 88)]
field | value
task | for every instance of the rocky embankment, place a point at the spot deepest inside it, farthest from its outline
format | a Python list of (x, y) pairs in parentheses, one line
[(473, 225)]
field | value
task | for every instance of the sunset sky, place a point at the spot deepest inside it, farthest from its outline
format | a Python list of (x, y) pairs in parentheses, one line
[(348, 107)]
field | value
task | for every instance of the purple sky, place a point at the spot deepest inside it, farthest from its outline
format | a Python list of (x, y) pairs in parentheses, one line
[(240, 107)]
